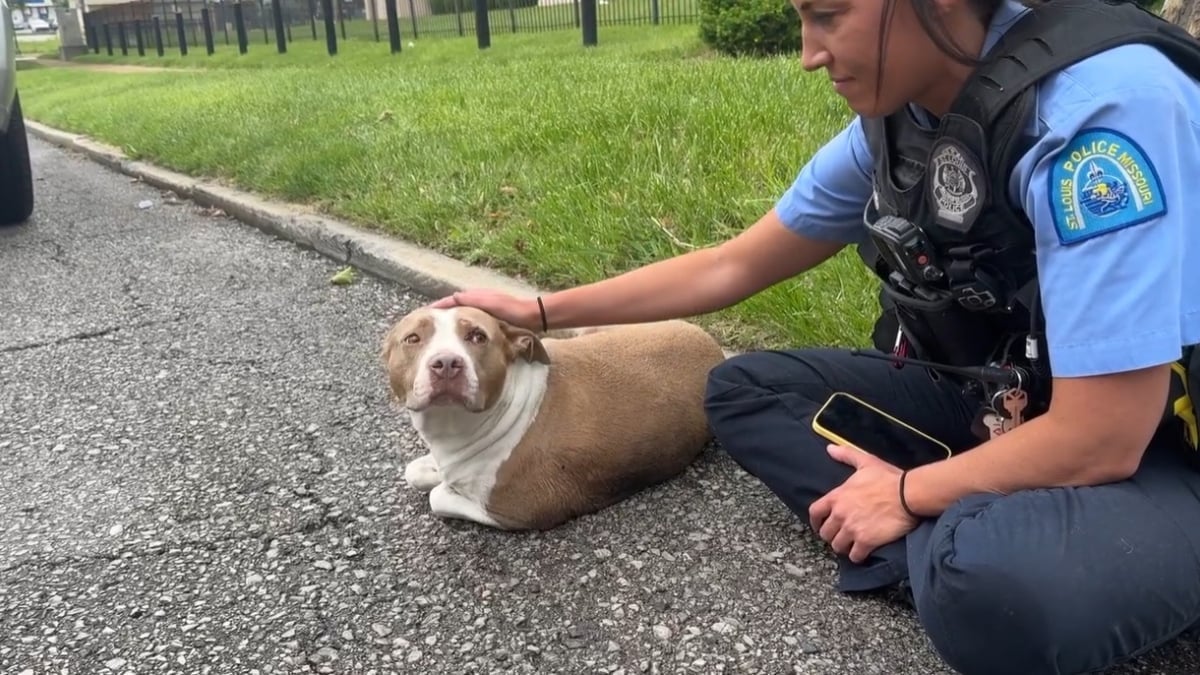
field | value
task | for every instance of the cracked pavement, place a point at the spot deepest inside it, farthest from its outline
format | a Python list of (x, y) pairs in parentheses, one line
[(201, 473)]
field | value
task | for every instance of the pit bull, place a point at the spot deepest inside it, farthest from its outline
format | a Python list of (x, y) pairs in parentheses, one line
[(528, 432)]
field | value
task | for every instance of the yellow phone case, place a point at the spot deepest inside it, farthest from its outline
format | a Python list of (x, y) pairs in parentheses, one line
[(827, 434)]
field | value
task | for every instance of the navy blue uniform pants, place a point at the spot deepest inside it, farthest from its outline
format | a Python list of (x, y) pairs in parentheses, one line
[(1062, 580)]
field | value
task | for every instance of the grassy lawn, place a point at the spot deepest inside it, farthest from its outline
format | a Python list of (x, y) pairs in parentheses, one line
[(37, 45), (538, 157)]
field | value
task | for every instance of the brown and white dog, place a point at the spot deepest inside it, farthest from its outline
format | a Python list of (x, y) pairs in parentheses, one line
[(526, 432)]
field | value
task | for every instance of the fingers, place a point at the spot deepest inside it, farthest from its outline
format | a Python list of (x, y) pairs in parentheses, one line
[(843, 542), (446, 302), (859, 551), (848, 455), (819, 512), (831, 531), (823, 521), (498, 304)]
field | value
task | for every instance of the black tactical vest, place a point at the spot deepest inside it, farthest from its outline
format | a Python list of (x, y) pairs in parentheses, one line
[(955, 257)]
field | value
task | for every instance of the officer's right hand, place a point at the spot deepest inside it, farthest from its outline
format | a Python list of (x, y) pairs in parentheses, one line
[(521, 312)]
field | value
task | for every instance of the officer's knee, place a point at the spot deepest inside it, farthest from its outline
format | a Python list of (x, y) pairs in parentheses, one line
[(737, 375), (984, 605), (754, 400), (729, 384), (755, 375), (752, 374)]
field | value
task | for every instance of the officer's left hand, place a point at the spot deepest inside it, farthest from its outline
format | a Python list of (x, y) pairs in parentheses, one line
[(863, 513)]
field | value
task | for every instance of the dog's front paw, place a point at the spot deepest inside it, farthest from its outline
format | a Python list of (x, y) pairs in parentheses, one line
[(422, 473)]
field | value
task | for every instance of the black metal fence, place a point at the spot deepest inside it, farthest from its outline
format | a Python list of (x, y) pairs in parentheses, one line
[(183, 26)]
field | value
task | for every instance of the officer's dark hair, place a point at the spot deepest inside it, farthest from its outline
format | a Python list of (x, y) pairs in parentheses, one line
[(937, 31)]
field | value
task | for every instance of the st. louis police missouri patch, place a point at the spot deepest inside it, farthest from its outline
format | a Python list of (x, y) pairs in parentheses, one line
[(1100, 182)]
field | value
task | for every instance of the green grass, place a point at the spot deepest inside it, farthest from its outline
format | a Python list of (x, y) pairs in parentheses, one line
[(502, 157), (40, 46)]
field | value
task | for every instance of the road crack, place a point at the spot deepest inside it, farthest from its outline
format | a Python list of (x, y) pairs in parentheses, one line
[(89, 335), (142, 552)]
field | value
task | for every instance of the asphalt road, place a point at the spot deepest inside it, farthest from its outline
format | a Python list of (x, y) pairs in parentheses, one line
[(201, 474)]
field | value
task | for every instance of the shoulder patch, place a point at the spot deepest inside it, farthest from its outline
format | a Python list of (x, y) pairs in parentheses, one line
[(1100, 182)]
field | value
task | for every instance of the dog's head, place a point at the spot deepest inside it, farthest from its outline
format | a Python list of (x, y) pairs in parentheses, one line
[(454, 357)]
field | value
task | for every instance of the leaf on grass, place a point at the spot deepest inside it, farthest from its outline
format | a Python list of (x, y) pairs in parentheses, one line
[(344, 277)]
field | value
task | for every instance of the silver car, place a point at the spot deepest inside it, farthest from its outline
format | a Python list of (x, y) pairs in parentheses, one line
[(16, 176)]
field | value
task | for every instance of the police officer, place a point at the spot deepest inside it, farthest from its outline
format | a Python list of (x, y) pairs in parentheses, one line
[(1063, 535)]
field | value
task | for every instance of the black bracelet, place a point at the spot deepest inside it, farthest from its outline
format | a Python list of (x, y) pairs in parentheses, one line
[(542, 309), (903, 501)]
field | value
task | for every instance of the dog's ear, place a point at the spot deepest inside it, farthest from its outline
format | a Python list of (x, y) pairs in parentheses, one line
[(525, 343), (385, 347)]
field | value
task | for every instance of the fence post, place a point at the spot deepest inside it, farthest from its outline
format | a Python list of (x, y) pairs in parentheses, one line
[(312, 17), (192, 22), (587, 9), (262, 18), (330, 28), (280, 34), (179, 30), (158, 41), (208, 36), (412, 12), (122, 41), (107, 39), (141, 43), (654, 12), (239, 23), (483, 29), (393, 21)]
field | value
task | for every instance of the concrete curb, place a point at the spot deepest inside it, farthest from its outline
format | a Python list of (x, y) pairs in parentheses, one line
[(426, 272)]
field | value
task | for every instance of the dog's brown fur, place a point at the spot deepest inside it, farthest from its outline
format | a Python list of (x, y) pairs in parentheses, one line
[(624, 409)]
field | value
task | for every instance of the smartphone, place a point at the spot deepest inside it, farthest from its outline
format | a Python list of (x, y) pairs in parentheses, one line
[(847, 420)]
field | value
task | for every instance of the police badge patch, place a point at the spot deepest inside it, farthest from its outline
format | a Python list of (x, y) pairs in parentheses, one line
[(954, 185), (1100, 182)]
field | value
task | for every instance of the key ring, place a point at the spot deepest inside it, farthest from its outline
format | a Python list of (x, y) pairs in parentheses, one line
[(1001, 395)]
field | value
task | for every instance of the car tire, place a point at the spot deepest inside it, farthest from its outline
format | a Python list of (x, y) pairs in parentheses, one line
[(16, 174)]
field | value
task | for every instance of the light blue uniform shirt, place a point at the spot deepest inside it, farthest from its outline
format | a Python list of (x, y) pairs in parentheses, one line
[(1112, 188)]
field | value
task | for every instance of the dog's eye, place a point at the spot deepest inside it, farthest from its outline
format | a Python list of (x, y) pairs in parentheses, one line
[(477, 337), (412, 338)]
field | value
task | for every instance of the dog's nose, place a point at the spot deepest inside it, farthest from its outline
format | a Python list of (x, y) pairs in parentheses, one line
[(446, 366)]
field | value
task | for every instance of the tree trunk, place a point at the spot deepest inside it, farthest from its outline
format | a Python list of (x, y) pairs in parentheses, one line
[(1185, 13)]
